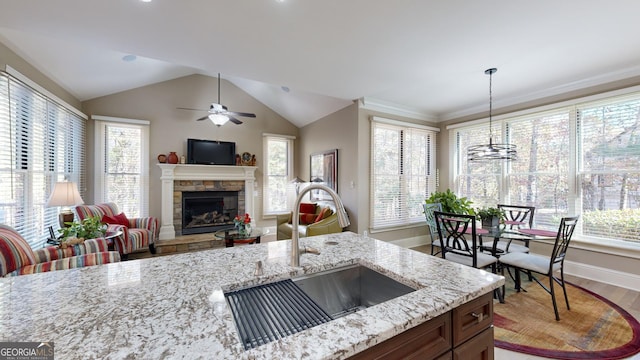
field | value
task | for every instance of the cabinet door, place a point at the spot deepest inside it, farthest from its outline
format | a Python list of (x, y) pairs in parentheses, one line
[(425, 341), (472, 318), (478, 348)]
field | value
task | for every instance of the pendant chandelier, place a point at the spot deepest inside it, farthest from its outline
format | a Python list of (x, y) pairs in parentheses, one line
[(491, 151)]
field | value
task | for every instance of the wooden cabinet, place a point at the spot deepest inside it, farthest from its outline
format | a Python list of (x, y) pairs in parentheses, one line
[(464, 333)]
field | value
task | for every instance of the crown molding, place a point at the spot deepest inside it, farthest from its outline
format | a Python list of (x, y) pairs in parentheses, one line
[(386, 107)]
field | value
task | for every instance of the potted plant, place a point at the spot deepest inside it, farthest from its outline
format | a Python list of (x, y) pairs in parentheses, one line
[(490, 216), (451, 203), (76, 232)]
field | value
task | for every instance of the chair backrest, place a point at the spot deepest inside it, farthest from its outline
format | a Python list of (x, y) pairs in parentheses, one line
[(429, 209), (565, 231), (517, 215), (458, 234), (86, 211), (15, 252)]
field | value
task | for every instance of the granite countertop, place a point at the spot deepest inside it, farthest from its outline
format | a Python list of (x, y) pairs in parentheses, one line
[(174, 307)]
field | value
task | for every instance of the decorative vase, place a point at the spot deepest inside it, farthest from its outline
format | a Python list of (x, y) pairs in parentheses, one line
[(244, 229), (162, 158), (488, 223), (172, 158)]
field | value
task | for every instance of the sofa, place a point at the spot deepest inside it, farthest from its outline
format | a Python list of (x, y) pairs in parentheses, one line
[(17, 257), (315, 219), (138, 234)]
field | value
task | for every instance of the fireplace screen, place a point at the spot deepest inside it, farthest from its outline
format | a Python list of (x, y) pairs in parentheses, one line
[(208, 211)]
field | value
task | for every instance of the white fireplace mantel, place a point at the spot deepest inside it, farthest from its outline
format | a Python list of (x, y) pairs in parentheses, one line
[(172, 172)]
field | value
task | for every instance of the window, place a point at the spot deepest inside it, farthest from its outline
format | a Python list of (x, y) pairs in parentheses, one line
[(43, 142), (278, 153), (402, 172), (122, 152), (575, 158)]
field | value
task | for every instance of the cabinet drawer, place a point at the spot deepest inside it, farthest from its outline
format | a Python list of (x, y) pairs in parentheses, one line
[(425, 341), (478, 348), (472, 318)]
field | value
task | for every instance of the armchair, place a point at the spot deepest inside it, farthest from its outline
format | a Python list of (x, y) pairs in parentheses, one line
[(17, 257), (138, 234), (316, 219)]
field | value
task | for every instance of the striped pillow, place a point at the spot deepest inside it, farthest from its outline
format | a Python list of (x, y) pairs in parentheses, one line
[(15, 252)]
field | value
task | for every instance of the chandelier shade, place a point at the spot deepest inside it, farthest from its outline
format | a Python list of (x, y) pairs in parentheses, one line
[(491, 151)]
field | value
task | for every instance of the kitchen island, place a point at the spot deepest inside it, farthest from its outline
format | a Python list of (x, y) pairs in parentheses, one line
[(174, 306)]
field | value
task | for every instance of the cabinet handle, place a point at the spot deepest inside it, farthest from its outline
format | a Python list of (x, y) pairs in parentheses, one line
[(478, 316)]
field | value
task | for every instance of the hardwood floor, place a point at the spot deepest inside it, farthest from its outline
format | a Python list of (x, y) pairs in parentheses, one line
[(625, 298)]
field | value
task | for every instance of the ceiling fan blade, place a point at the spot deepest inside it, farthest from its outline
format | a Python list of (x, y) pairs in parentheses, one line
[(183, 108), (241, 114), (234, 120), (203, 118)]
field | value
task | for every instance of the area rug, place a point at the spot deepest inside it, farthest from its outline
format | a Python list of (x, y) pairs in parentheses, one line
[(594, 328)]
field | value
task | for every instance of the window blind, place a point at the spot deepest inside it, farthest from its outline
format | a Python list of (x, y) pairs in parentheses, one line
[(402, 174), (43, 143), (278, 196)]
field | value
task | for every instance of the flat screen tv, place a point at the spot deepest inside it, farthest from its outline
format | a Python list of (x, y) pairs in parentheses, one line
[(209, 152)]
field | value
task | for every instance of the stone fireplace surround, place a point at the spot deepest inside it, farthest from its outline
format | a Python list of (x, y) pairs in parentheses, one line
[(176, 178)]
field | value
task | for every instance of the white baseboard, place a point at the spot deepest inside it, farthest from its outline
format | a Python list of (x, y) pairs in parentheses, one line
[(411, 242), (603, 275)]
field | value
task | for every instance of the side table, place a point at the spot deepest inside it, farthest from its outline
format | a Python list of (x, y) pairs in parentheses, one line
[(232, 237)]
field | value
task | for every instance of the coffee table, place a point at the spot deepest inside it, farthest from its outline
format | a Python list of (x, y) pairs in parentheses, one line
[(232, 237)]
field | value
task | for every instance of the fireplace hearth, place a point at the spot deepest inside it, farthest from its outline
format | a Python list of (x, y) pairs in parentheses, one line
[(208, 211)]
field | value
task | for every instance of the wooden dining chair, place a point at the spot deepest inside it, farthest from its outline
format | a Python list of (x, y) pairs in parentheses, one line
[(431, 222), (548, 266)]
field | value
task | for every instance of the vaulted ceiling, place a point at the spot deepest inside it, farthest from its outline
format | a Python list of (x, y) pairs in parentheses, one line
[(425, 57)]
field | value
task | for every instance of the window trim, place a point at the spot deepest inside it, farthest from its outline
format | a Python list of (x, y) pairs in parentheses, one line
[(101, 122), (432, 172), (267, 213), (586, 242)]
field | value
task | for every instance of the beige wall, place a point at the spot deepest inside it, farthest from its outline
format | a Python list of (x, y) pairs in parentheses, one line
[(8, 57), (336, 131), (170, 127)]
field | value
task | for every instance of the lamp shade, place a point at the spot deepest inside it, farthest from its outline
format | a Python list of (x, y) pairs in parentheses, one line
[(65, 194)]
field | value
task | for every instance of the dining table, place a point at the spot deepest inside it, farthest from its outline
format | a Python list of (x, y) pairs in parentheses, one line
[(505, 232)]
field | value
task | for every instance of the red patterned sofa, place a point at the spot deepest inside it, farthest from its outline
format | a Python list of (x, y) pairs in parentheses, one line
[(17, 257), (138, 234)]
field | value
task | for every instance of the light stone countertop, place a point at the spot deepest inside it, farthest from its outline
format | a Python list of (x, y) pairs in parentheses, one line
[(173, 306)]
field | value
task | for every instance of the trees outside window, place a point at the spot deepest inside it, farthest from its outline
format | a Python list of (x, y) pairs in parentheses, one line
[(581, 158), (278, 171)]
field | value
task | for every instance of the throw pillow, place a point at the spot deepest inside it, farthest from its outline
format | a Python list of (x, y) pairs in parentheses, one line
[(306, 219), (324, 213), (307, 208), (120, 219)]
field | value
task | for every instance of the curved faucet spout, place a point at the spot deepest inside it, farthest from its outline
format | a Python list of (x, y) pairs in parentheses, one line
[(343, 218)]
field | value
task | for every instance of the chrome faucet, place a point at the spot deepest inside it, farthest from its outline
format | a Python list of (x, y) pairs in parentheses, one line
[(343, 220)]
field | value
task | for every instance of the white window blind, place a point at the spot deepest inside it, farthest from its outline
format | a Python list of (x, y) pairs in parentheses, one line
[(43, 143), (123, 155), (278, 153), (609, 167), (402, 173), (576, 158)]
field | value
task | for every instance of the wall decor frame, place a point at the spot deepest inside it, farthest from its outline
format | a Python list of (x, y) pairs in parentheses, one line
[(324, 169)]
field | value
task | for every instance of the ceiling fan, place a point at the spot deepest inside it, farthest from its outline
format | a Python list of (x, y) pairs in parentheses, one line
[(219, 114)]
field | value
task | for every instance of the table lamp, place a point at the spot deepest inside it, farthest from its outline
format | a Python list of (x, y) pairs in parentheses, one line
[(297, 181), (65, 194)]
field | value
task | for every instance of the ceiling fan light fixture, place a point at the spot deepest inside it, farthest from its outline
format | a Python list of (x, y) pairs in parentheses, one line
[(218, 119), (491, 151)]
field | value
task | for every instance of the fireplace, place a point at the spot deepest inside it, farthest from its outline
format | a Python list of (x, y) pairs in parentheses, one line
[(179, 179), (208, 211)]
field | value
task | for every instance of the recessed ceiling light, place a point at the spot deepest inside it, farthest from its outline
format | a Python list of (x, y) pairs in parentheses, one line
[(129, 58)]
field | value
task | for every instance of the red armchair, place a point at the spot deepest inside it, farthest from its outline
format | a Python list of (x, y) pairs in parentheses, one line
[(17, 257), (138, 234)]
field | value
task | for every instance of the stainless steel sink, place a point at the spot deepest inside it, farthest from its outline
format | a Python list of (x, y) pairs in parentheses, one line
[(268, 312), (348, 289)]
